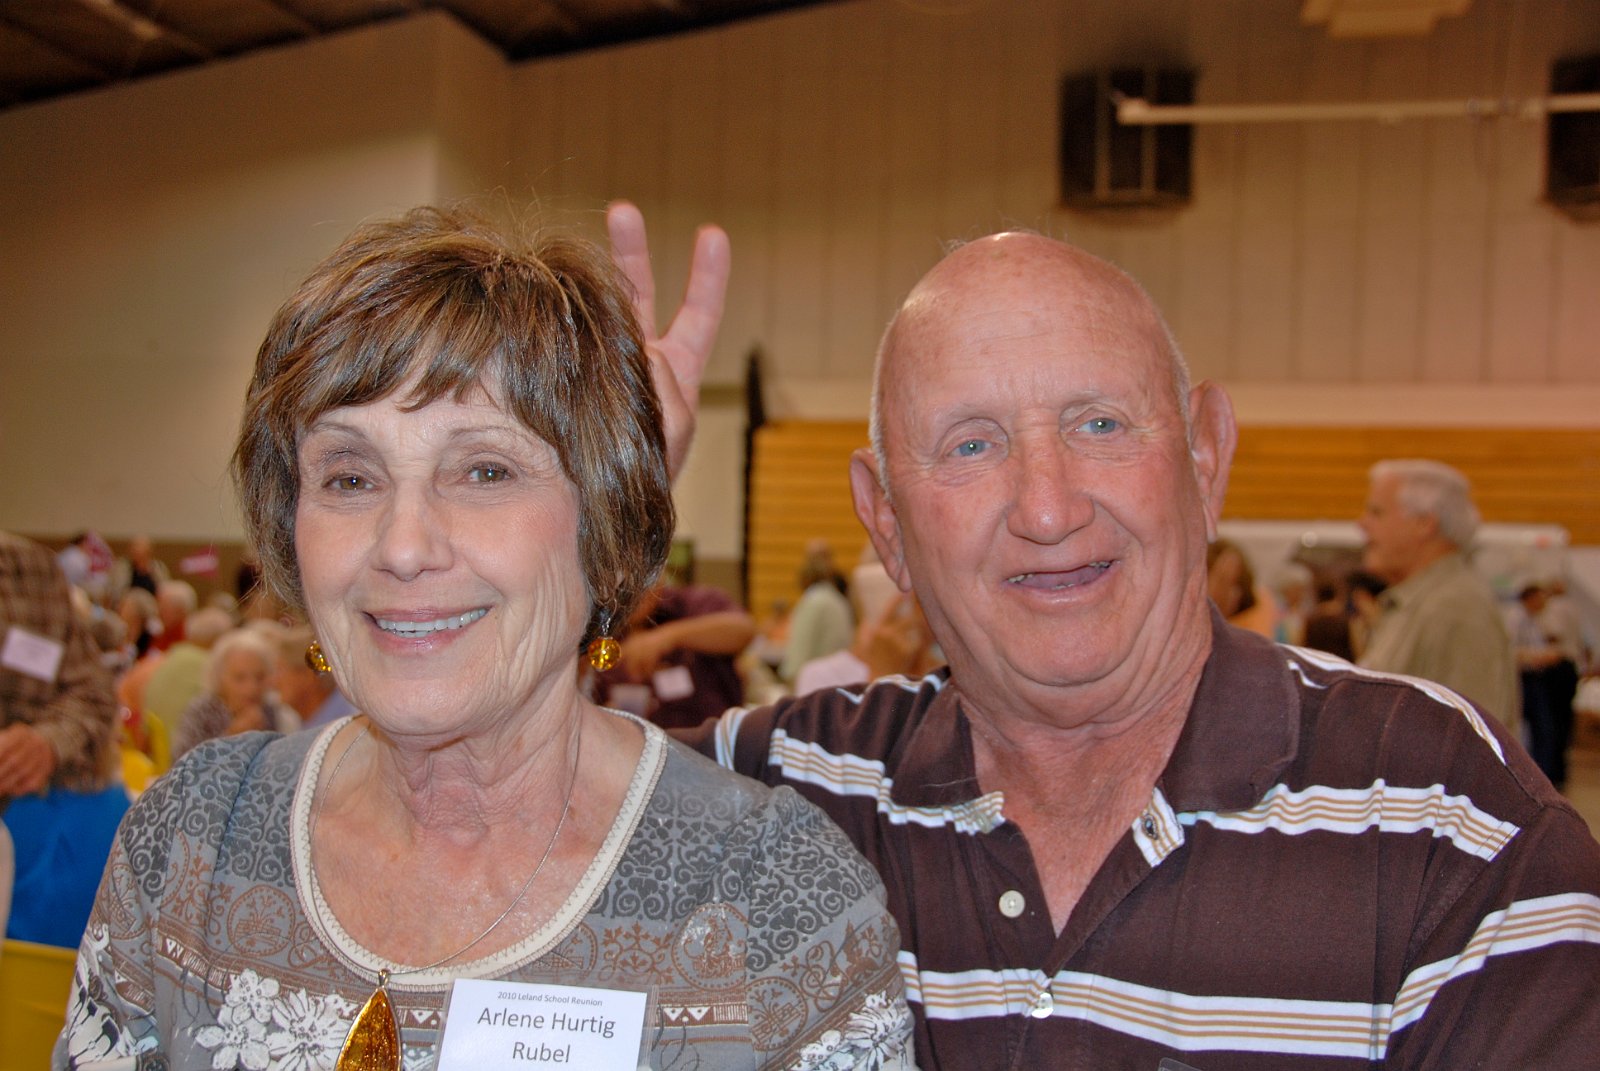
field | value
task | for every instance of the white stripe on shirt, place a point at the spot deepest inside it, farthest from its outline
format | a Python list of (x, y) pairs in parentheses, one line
[(1387, 808), (1191, 1023)]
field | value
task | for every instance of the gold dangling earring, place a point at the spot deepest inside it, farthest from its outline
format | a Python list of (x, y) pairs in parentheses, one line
[(604, 650), (316, 659)]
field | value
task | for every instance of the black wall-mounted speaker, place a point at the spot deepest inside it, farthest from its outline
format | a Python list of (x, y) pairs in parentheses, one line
[(1572, 143), (1108, 165)]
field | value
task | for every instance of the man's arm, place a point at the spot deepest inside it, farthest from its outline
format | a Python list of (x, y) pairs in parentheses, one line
[(64, 733), (726, 632), (739, 739)]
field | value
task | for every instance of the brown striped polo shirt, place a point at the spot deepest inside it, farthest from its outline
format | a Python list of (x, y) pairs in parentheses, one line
[(1337, 869)]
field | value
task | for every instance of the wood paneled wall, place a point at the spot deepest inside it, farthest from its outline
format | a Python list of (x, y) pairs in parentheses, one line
[(1519, 475), (151, 228), (800, 491), (843, 145), (800, 487)]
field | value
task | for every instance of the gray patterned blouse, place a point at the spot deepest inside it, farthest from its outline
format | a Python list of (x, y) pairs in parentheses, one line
[(761, 930)]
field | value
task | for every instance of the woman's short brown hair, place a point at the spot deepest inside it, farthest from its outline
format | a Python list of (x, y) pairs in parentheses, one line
[(442, 302)]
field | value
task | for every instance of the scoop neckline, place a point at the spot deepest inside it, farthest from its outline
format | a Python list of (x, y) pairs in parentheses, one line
[(365, 963)]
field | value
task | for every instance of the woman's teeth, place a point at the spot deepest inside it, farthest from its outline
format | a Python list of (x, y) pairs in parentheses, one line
[(423, 628)]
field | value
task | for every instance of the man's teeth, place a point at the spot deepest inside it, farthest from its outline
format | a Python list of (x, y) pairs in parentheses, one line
[(1072, 576), (422, 628)]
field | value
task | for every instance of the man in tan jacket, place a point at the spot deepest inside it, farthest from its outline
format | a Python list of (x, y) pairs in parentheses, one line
[(1440, 621)]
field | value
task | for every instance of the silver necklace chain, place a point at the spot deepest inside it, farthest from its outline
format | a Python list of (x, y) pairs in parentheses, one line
[(385, 974)]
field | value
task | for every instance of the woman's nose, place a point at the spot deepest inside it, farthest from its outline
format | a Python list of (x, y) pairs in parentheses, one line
[(414, 537)]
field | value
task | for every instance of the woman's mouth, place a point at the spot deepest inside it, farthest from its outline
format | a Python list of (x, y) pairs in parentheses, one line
[(415, 629)]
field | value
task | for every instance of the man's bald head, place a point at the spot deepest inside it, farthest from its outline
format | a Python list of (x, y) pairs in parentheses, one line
[(1047, 482), (972, 275)]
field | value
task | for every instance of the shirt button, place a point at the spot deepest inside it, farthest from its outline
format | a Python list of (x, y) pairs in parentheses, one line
[(1043, 1005), (1012, 903)]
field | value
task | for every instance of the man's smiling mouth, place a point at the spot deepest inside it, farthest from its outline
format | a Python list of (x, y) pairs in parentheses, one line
[(1056, 581)]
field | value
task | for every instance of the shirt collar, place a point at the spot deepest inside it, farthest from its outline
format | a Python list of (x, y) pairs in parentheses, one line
[(1243, 728), (1435, 575), (1242, 731), (938, 769)]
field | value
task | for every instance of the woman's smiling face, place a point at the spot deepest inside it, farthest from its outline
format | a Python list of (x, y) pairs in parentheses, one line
[(439, 559)]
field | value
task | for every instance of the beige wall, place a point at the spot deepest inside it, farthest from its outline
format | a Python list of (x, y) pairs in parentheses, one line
[(1330, 274)]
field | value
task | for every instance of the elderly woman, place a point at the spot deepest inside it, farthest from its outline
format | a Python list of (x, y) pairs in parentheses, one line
[(235, 700), (452, 459)]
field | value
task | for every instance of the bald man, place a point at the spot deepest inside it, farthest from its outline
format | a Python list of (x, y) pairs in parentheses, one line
[(1117, 832)]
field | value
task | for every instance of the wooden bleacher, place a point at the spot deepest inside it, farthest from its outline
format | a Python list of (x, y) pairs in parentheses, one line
[(800, 488)]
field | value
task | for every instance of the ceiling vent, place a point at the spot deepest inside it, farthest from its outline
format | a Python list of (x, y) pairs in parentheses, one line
[(1107, 165), (1572, 143)]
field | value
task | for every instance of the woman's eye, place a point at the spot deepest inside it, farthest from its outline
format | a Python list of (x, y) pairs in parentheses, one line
[(347, 482), (488, 474), (1100, 426)]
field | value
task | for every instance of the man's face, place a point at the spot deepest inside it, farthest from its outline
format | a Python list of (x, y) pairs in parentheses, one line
[(1395, 539), (1042, 498)]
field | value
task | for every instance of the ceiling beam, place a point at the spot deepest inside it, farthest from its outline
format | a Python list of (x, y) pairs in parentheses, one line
[(144, 29), (306, 27), (88, 66), (569, 23)]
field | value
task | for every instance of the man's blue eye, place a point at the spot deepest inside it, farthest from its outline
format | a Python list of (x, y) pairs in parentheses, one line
[(1101, 426), (971, 448)]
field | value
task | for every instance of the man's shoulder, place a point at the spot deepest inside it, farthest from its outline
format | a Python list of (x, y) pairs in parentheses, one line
[(29, 567), (181, 668), (1452, 585), (1331, 684), (1360, 725), (871, 722), (17, 546), (821, 597)]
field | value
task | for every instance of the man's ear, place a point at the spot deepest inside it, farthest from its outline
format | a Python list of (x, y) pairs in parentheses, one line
[(1428, 525), (877, 515), (1213, 435)]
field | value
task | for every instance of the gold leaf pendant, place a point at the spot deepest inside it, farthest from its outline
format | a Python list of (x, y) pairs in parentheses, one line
[(373, 1043)]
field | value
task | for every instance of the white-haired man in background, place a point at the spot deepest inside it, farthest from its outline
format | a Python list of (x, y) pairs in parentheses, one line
[(1440, 621)]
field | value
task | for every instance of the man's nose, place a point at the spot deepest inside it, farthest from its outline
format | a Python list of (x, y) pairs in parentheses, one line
[(1050, 501)]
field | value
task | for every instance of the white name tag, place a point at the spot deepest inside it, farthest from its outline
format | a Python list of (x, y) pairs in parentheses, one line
[(674, 682), (37, 656), (634, 698), (530, 1025)]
